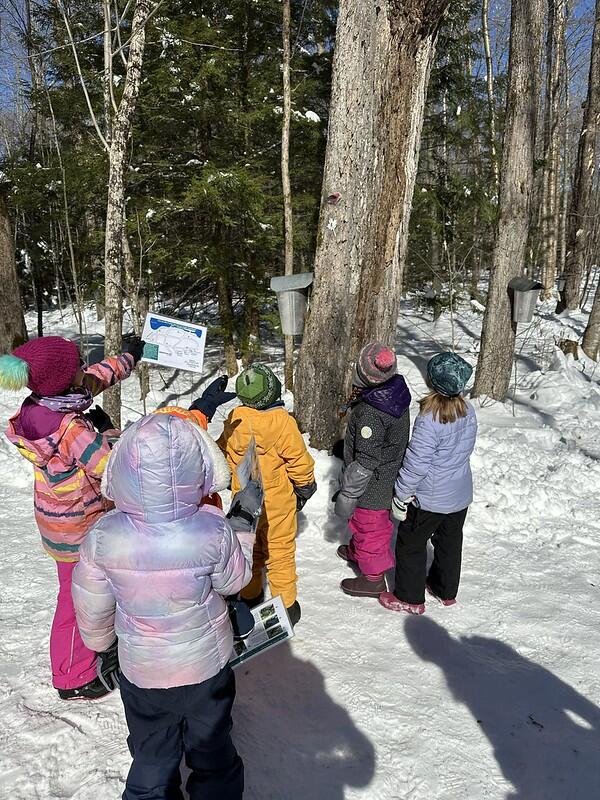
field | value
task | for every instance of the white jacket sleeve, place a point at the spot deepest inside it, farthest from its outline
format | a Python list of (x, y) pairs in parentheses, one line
[(234, 569), (93, 599)]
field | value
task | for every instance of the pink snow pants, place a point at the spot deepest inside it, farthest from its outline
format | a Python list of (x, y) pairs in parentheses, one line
[(370, 545), (73, 665)]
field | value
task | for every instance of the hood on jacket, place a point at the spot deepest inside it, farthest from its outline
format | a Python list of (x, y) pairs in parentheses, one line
[(392, 397), (162, 467), (40, 450)]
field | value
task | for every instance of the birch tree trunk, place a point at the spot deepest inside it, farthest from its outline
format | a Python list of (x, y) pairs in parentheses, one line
[(579, 223), (12, 323), (516, 186), (564, 191), (381, 65), (591, 337), (550, 195), (288, 223), (115, 209), (489, 82)]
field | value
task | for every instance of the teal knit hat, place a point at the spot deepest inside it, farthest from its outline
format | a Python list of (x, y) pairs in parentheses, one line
[(448, 374), (258, 387)]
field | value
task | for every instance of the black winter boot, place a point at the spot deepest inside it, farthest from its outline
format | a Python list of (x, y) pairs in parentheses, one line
[(93, 690)]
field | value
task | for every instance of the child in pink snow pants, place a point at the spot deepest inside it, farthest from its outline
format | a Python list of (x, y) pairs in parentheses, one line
[(68, 457), (374, 445)]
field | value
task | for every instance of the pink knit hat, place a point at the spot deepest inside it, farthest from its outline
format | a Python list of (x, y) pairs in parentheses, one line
[(47, 366), (375, 364)]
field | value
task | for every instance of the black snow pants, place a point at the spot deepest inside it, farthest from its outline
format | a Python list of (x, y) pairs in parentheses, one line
[(446, 534), (165, 723)]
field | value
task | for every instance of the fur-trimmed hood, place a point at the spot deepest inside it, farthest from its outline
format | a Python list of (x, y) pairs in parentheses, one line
[(162, 467)]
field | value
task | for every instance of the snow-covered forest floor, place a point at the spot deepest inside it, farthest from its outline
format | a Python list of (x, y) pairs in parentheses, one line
[(496, 698)]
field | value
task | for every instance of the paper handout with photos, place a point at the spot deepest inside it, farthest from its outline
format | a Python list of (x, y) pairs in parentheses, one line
[(272, 627), (173, 343)]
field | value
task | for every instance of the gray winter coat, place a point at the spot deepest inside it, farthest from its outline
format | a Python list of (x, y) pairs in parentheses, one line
[(374, 445)]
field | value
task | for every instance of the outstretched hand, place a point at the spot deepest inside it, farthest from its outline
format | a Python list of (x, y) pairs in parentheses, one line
[(213, 396), (135, 348)]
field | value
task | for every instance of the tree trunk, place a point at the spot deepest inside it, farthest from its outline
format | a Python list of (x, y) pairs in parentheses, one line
[(12, 323), (382, 60), (579, 223), (489, 82), (115, 210), (564, 192), (288, 223), (591, 337), (516, 186), (550, 197), (226, 320)]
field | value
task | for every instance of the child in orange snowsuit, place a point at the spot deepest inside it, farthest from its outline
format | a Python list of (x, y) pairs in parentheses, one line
[(288, 477)]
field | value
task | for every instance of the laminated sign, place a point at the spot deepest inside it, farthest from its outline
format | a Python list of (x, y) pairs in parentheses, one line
[(173, 343), (272, 627)]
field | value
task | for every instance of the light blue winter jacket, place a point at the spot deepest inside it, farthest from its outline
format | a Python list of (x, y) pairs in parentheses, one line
[(436, 468), (155, 571)]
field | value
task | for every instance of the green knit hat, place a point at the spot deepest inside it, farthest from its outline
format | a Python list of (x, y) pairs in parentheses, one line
[(258, 387)]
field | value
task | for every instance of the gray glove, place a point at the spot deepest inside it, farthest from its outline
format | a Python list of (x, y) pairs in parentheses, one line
[(344, 505), (246, 508)]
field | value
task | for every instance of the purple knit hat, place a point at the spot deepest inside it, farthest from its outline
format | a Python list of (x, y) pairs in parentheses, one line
[(47, 366), (375, 364)]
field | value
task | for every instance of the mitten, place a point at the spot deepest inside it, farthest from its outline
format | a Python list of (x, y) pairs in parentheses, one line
[(304, 493), (246, 508), (213, 396), (400, 508), (344, 506), (107, 667), (136, 348), (100, 419)]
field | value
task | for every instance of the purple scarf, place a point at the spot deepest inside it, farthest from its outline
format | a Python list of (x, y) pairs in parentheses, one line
[(75, 403)]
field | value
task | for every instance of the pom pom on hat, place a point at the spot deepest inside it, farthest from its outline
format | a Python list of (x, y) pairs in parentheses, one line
[(14, 373), (375, 365)]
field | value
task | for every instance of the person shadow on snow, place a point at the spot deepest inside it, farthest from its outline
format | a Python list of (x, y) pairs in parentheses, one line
[(544, 734), (296, 742)]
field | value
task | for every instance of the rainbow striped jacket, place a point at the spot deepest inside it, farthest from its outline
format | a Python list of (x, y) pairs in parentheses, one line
[(68, 467)]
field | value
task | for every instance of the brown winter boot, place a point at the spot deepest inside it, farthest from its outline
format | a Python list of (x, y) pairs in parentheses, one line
[(343, 552), (363, 586)]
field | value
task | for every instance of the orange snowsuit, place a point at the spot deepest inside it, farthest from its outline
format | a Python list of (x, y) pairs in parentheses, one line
[(284, 463)]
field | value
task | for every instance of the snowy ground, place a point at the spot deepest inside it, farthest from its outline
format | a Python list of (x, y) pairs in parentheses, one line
[(496, 698)]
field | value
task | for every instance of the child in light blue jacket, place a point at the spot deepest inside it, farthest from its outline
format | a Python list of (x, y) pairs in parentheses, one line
[(433, 490)]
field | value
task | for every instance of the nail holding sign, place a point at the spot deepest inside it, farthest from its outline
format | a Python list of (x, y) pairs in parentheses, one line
[(173, 343)]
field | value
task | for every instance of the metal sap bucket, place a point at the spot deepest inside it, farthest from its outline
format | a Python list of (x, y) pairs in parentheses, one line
[(524, 293), (292, 299)]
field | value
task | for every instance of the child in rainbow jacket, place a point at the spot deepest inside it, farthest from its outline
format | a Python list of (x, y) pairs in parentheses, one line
[(68, 457)]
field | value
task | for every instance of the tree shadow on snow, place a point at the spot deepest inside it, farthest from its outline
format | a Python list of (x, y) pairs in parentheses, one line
[(544, 734), (296, 742)]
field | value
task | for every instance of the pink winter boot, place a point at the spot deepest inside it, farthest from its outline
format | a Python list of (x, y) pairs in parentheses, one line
[(441, 601), (391, 602)]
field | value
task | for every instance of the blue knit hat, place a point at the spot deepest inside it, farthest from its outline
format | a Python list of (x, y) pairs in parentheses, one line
[(448, 374)]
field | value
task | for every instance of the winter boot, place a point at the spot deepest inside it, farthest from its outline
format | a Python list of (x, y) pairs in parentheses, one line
[(294, 613), (254, 601), (93, 690), (364, 586), (441, 601), (343, 552), (391, 602)]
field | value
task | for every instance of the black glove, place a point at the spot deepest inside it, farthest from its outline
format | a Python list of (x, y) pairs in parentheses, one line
[(246, 508), (100, 419), (107, 667), (136, 348), (241, 618), (304, 493), (213, 396)]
